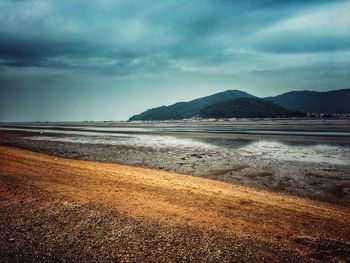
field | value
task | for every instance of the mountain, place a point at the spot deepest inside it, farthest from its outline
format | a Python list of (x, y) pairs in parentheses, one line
[(223, 105), (244, 108), (183, 110), (337, 101)]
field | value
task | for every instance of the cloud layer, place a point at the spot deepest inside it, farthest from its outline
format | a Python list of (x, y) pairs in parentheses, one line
[(164, 51)]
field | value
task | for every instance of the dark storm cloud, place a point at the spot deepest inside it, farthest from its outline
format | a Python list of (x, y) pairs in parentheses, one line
[(195, 30), (32, 52), (167, 43)]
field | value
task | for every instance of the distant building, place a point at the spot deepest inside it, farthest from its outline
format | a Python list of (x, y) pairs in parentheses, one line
[(314, 115)]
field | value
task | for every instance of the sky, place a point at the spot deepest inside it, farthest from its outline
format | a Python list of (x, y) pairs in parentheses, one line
[(106, 60)]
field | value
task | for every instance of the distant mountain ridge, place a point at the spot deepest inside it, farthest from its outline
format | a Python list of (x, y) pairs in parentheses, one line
[(183, 110), (290, 103), (245, 108), (335, 101)]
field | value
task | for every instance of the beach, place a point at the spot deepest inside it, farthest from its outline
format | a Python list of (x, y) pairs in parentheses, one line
[(254, 191), (175, 131), (63, 209), (310, 166)]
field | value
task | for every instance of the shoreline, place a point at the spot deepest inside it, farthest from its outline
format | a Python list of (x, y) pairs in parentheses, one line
[(172, 201), (245, 163)]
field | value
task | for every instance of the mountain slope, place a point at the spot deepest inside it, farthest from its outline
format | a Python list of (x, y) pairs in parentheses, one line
[(189, 109), (244, 108), (337, 101)]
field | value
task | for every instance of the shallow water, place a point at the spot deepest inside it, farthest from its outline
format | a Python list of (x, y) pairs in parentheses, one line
[(115, 130), (264, 149)]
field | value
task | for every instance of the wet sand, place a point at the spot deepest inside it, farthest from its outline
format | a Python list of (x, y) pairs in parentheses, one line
[(304, 166), (81, 211)]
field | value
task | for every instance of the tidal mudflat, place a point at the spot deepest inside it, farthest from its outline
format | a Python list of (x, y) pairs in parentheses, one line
[(307, 158)]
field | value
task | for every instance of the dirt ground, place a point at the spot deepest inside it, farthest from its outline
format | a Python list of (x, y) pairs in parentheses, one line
[(56, 209)]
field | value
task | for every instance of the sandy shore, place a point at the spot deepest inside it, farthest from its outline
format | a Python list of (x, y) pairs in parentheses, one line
[(60, 209), (292, 166)]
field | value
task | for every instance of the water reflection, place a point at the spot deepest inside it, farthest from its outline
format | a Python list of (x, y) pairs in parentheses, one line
[(226, 143), (209, 130), (304, 151), (264, 149)]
